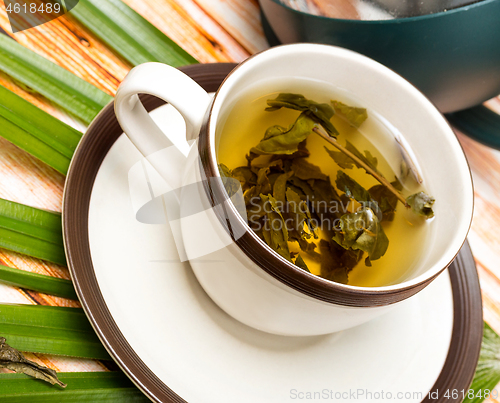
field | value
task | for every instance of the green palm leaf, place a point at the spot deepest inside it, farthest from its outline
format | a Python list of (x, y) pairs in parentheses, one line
[(50, 330), (37, 132), (83, 387), (128, 34), (68, 91), (31, 231), (488, 368), (37, 282)]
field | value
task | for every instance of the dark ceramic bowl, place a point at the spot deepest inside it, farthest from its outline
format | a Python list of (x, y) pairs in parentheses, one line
[(453, 57)]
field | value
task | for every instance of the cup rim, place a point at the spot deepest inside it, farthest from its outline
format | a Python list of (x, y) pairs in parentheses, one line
[(270, 261)]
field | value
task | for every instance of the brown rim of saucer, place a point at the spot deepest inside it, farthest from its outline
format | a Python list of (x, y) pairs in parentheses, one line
[(459, 367), (275, 265)]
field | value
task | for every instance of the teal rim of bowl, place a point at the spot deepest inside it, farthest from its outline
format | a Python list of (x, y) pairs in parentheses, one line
[(392, 20)]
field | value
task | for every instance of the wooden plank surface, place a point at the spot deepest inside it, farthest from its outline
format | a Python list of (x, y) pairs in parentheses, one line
[(212, 31)]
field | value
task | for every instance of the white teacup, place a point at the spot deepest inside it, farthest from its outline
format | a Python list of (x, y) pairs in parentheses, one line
[(236, 268)]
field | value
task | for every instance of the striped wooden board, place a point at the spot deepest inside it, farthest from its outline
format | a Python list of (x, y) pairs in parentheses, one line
[(212, 31)]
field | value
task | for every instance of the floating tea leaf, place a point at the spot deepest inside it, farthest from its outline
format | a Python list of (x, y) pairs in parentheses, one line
[(355, 116), (281, 140), (362, 231), (12, 359), (320, 113), (421, 204)]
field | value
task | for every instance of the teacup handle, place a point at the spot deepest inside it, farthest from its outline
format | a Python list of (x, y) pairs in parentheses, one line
[(174, 87)]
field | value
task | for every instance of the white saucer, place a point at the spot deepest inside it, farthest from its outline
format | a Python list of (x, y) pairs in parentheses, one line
[(204, 355), (144, 303)]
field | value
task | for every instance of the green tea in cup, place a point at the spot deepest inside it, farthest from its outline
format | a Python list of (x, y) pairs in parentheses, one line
[(327, 184)]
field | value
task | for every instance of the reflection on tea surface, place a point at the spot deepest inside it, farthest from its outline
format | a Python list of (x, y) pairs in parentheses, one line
[(311, 203), (374, 9)]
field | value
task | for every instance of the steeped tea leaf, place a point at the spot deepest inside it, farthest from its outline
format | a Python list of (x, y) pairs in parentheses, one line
[(275, 231), (355, 116), (290, 201), (337, 262), (362, 231), (325, 192), (299, 213), (280, 140), (299, 262), (367, 158), (302, 152), (367, 163), (301, 187), (326, 203), (279, 187), (264, 161), (320, 113), (230, 184), (255, 208), (386, 200), (245, 176), (352, 188), (309, 248), (305, 170), (346, 162), (342, 160), (300, 103), (224, 171), (12, 359), (421, 204), (263, 184)]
